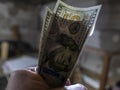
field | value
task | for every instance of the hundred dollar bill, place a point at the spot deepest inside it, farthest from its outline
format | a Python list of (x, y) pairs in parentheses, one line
[(64, 34), (46, 23), (77, 14)]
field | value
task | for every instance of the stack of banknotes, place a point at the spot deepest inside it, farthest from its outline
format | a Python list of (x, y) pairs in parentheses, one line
[(64, 32)]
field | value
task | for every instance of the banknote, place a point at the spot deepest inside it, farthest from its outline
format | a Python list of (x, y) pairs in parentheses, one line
[(64, 33), (46, 23), (78, 14)]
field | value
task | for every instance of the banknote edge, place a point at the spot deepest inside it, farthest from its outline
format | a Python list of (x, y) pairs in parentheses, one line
[(75, 8)]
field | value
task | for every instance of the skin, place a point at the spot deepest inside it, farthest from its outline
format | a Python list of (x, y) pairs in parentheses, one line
[(27, 80), (30, 80)]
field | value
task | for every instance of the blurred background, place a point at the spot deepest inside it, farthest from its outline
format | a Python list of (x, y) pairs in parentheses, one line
[(20, 27)]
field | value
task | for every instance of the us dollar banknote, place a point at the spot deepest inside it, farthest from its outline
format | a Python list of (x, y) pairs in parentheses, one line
[(77, 14), (46, 23), (64, 33)]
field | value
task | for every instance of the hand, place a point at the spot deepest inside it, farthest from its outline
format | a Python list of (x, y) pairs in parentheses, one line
[(29, 80), (26, 80)]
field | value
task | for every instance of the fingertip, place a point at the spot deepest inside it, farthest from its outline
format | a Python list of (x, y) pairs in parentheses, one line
[(68, 82)]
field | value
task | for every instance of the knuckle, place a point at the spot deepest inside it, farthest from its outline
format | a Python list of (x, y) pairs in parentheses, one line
[(19, 73)]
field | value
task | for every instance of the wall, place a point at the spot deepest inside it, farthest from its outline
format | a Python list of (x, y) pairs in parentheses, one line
[(24, 16)]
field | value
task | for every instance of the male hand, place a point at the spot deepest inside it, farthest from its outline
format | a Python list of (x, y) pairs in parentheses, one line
[(26, 80), (29, 80)]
